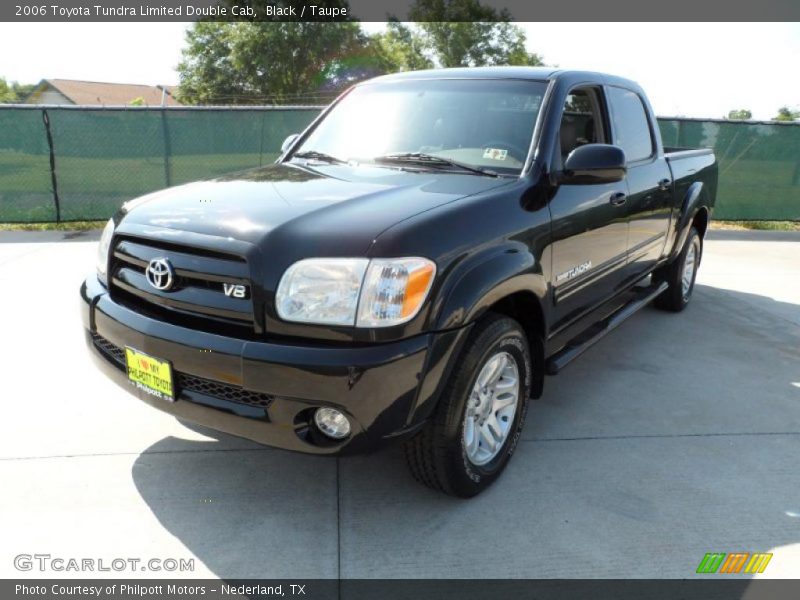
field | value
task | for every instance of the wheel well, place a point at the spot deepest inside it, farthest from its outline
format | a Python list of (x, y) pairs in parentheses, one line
[(524, 307), (700, 222)]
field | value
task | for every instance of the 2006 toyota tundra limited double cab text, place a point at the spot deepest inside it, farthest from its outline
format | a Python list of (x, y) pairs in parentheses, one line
[(409, 269)]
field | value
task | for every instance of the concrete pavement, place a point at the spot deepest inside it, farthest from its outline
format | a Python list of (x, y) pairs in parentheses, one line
[(675, 436)]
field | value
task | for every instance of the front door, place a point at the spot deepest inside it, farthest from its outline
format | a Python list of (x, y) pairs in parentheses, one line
[(589, 224)]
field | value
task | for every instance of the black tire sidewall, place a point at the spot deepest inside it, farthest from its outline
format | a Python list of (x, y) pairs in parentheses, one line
[(694, 238), (469, 479), (672, 299)]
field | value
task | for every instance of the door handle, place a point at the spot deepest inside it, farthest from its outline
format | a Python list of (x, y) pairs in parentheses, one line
[(618, 199), (663, 185)]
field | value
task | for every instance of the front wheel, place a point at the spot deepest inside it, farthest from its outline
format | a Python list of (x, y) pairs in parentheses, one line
[(475, 428), (680, 275)]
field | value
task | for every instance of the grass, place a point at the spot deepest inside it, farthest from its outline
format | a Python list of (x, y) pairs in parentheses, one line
[(73, 226), (759, 225)]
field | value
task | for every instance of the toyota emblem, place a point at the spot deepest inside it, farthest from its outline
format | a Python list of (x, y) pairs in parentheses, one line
[(160, 274)]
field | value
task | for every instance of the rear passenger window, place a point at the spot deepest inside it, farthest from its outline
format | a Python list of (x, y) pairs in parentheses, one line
[(631, 128)]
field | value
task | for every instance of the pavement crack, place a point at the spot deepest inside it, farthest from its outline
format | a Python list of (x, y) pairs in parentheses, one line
[(21, 255), (662, 435), (338, 488), (338, 532), (145, 453)]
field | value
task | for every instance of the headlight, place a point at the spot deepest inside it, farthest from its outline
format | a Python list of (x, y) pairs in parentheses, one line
[(354, 291), (321, 290), (102, 250), (394, 290)]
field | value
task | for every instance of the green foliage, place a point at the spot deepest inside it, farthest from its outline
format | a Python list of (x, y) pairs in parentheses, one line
[(464, 33), (258, 63), (137, 102), (401, 48), (310, 62), (7, 95), (741, 114), (13, 93), (787, 114)]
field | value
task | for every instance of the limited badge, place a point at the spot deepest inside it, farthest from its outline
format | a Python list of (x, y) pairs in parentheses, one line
[(495, 153)]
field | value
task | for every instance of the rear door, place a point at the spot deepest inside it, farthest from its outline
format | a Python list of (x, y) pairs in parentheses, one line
[(589, 226), (649, 204)]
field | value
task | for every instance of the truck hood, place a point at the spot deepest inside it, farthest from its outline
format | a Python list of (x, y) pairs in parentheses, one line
[(322, 210)]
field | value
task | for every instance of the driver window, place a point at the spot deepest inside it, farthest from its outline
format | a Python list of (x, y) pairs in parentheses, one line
[(581, 121)]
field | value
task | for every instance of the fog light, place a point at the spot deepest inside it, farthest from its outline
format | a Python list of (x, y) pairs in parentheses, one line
[(332, 423)]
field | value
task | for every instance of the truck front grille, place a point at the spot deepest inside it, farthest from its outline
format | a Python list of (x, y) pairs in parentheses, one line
[(191, 383), (114, 352), (224, 391), (197, 295)]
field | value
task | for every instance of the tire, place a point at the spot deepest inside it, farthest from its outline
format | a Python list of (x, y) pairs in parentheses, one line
[(677, 295), (439, 456)]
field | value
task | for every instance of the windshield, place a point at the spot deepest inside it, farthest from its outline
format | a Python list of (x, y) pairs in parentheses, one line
[(484, 123)]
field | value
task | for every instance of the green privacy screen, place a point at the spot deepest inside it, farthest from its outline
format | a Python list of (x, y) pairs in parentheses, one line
[(759, 165), (26, 189), (103, 157)]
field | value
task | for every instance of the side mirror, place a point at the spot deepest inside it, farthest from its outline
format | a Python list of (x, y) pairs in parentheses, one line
[(287, 143), (594, 163)]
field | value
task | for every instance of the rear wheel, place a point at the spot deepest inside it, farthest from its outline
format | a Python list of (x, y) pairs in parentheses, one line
[(476, 425), (680, 275)]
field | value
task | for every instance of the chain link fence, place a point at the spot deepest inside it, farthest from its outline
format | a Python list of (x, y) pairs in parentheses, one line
[(70, 163)]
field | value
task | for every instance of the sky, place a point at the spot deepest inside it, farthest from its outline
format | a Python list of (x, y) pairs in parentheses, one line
[(687, 69)]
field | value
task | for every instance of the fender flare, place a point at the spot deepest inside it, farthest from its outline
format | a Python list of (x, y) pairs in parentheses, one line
[(473, 286), (694, 201), (481, 281)]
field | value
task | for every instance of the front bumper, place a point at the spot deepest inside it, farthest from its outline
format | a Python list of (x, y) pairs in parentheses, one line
[(267, 392)]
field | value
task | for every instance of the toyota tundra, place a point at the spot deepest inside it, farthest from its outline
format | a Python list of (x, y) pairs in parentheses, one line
[(410, 269)]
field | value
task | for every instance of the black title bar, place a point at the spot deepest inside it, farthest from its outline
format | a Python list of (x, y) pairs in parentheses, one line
[(383, 10)]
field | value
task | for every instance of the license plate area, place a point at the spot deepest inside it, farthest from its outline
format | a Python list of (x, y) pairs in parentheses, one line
[(150, 374)]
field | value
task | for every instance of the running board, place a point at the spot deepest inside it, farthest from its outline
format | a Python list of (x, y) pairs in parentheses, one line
[(598, 331)]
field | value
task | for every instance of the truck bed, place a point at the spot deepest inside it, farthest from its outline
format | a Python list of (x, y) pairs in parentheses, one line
[(677, 153), (689, 165)]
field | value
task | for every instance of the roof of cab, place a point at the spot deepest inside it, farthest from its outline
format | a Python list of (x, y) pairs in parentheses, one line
[(475, 73), (536, 73)]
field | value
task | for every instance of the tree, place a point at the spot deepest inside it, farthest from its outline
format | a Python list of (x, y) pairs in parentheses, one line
[(402, 48), (311, 62), (787, 114), (13, 93), (741, 114), (464, 33), (7, 95), (256, 63)]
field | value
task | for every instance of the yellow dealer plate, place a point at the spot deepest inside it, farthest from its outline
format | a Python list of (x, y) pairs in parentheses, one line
[(151, 375)]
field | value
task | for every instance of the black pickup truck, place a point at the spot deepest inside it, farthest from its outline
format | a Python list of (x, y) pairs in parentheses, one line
[(411, 268)]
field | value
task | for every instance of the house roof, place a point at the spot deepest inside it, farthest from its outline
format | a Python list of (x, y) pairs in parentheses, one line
[(109, 94)]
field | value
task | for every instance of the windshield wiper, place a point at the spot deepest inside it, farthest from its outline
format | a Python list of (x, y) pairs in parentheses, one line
[(431, 160), (314, 155)]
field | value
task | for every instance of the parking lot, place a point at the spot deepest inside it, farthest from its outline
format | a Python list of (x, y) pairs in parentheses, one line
[(675, 436)]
